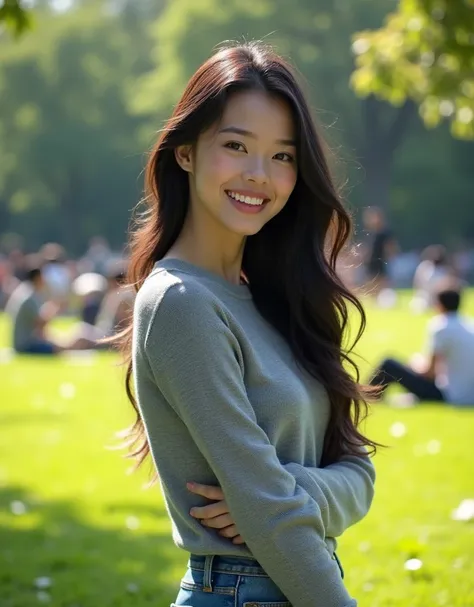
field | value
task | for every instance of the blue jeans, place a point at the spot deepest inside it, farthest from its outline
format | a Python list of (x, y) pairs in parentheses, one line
[(228, 581), (392, 371), (38, 346)]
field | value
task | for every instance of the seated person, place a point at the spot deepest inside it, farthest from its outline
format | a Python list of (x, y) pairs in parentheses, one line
[(30, 316), (448, 375), (116, 305), (433, 270)]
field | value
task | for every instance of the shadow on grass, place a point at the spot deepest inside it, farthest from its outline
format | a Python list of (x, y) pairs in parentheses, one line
[(81, 565)]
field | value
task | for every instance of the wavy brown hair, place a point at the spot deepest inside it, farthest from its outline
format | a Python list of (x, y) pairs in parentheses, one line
[(290, 264)]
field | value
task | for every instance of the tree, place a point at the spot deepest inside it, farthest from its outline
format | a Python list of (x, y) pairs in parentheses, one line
[(424, 52), (69, 157)]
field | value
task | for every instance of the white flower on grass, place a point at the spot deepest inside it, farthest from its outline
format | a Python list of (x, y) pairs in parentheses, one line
[(433, 447), (43, 597), (413, 564), (43, 582), (132, 522), (464, 512), (18, 507), (398, 429), (67, 391)]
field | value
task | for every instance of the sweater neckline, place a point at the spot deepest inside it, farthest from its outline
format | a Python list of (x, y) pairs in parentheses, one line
[(171, 263)]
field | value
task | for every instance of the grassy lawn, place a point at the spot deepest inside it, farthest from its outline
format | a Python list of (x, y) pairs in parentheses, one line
[(77, 530)]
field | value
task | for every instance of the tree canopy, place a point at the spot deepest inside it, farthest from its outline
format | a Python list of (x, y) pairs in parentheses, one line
[(425, 51), (15, 17), (84, 92)]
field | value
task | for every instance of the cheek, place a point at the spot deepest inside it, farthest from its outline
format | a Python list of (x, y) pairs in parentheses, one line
[(220, 167), (285, 182)]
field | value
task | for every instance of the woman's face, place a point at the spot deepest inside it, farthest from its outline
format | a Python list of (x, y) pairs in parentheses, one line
[(243, 170)]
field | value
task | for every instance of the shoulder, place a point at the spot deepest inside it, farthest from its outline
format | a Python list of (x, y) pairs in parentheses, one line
[(170, 289), (25, 297), (437, 324), (175, 299)]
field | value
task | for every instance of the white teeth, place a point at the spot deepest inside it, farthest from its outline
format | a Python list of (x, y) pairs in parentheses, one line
[(246, 199)]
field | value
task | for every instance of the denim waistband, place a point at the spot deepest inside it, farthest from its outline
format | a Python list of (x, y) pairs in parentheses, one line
[(226, 564), (233, 565)]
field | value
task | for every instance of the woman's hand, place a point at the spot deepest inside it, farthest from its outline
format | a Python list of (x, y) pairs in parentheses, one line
[(215, 515)]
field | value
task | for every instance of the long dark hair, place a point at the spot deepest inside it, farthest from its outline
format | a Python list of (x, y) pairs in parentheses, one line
[(289, 264)]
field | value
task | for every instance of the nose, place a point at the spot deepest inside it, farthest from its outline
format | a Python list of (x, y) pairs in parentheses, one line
[(256, 171)]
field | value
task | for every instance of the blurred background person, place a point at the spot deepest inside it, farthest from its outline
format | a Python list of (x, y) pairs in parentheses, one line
[(446, 372), (380, 247), (31, 314), (433, 269), (55, 272), (117, 303)]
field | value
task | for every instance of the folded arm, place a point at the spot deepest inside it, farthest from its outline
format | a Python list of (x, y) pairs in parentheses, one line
[(343, 491)]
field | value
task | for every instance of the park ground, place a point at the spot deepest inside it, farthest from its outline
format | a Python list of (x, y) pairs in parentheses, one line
[(78, 530)]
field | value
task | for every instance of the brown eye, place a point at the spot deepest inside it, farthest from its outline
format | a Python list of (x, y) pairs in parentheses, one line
[(235, 145), (284, 156)]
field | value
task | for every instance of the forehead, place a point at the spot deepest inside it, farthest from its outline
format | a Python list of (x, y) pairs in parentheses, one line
[(259, 112)]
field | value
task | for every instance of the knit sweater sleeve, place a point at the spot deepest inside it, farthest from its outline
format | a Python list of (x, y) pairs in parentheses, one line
[(343, 491), (195, 361)]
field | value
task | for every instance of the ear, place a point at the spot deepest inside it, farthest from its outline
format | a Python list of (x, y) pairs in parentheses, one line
[(184, 157)]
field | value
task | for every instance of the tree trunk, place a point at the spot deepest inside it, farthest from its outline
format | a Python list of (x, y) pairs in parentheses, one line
[(383, 135)]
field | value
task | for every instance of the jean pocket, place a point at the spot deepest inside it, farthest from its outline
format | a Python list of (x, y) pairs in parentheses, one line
[(221, 583)]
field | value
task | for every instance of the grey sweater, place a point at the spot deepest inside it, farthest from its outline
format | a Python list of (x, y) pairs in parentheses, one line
[(224, 403)]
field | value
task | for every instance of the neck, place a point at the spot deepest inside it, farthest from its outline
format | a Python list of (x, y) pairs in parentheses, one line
[(210, 247)]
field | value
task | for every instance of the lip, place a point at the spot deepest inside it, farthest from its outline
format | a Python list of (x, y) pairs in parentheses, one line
[(249, 193)]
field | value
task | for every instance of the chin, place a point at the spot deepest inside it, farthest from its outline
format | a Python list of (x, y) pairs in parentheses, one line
[(246, 230)]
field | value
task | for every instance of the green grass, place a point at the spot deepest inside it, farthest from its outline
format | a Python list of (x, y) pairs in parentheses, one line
[(103, 540)]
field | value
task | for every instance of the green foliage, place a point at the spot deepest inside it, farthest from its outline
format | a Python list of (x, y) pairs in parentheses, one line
[(15, 17), (83, 94), (425, 51), (99, 538), (71, 144)]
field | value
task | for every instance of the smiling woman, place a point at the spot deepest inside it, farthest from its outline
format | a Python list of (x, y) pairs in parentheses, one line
[(236, 340), (240, 166)]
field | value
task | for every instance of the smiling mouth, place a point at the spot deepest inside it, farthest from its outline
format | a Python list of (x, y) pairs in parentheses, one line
[(252, 201)]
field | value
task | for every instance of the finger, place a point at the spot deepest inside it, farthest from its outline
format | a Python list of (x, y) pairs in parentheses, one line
[(218, 522), (238, 540), (209, 511), (212, 493), (229, 532)]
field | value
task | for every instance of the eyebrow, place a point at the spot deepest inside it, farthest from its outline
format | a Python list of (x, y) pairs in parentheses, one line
[(245, 133)]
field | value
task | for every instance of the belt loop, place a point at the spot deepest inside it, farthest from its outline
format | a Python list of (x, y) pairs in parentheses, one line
[(207, 582)]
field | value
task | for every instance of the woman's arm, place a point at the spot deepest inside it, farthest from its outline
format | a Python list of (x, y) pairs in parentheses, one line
[(343, 491), (195, 361)]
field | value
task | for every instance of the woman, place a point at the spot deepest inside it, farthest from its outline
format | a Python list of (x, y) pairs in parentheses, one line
[(236, 341)]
